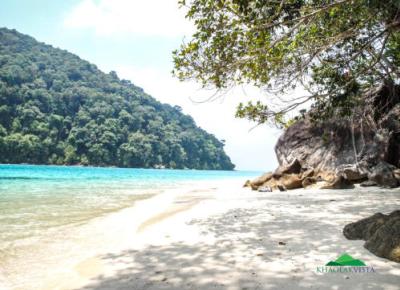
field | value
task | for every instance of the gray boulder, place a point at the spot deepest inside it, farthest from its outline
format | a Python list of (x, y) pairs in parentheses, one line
[(352, 172), (385, 242), (365, 228), (383, 175), (341, 151), (381, 233), (349, 147)]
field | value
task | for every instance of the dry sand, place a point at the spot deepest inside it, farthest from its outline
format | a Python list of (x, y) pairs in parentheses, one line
[(231, 238)]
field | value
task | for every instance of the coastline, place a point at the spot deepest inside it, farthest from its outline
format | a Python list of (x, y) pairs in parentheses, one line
[(64, 248), (218, 235)]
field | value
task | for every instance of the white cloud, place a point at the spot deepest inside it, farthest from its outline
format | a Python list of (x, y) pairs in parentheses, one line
[(139, 17), (249, 149)]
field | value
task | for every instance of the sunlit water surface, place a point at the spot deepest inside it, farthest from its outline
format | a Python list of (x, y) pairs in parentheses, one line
[(35, 200)]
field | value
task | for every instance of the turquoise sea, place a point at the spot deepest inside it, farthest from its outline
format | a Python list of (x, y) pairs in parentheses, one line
[(34, 199)]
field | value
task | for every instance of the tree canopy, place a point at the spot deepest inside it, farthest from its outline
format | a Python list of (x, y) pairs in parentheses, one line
[(56, 108), (334, 49)]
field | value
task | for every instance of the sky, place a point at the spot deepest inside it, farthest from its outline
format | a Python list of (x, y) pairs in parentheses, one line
[(136, 38)]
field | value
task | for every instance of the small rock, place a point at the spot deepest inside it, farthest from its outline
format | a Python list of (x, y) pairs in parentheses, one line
[(282, 243), (281, 187), (264, 189), (339, 183), (396, 174), (368, 183)]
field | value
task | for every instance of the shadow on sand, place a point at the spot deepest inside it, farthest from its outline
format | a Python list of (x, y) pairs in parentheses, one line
[(277, 245)]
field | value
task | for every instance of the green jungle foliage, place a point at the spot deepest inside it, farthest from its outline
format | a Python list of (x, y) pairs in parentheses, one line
[(56, 108), (336, 50)]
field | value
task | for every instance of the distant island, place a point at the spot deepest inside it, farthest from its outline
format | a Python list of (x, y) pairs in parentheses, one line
[(56, 108)]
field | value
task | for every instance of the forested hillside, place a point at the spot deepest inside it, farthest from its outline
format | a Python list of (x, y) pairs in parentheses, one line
[(56, 108)]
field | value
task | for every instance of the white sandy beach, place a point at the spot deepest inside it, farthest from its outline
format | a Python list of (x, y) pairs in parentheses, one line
[(220, 237)]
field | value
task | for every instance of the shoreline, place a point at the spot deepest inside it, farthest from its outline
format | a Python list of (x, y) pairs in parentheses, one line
[(116, 167), (30, 266), (221, 236)]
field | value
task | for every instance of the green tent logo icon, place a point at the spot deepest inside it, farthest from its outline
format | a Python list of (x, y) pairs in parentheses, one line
[(346, 260)]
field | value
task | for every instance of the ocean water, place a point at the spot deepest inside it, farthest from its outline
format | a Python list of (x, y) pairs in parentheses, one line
[(35, 200)]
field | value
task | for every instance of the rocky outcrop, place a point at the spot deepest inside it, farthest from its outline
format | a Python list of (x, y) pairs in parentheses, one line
[(383, 174), (381, 233), (342, 151), (284, 182), (293, 168), (258, 182), (287, 177)]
